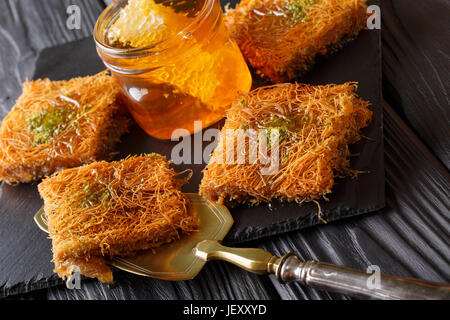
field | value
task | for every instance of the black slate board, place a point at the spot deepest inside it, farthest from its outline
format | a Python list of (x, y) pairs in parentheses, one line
[(25, 252)]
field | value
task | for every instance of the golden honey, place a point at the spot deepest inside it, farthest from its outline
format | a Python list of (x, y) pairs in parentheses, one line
[(174, 60)]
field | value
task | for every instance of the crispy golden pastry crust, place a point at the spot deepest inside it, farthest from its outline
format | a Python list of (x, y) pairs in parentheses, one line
[(105, 209), (282, 38), (314, 126), (61, 124)]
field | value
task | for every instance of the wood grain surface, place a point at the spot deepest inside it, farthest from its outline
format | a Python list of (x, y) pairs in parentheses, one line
[(409, 238), (27, 27), (416, 67)]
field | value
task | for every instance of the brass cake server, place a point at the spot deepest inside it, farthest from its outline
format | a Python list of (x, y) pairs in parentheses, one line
[(184, 259)]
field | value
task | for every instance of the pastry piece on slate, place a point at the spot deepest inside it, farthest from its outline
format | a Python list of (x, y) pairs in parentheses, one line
[(61, 124), (103, 210), (282, 38), (286, 142)]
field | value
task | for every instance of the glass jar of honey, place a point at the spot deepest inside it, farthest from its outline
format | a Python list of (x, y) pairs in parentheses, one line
[(174, 60)]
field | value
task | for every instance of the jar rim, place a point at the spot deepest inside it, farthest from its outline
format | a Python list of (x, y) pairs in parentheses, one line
[(132, 52)]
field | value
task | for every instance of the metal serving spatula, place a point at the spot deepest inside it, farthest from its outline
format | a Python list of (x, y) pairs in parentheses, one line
[(184, 259)]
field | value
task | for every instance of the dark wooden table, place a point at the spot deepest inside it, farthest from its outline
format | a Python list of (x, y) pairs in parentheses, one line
[(409, 238)]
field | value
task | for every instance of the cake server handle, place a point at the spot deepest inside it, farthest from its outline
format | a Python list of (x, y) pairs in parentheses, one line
[(324, 276)]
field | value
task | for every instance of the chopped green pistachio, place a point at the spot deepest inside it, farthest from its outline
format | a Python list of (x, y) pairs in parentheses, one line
[(95, 194), (296, 10), (87, 107), (51, 122), (288, 124), (275, 135), (155, 156)]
